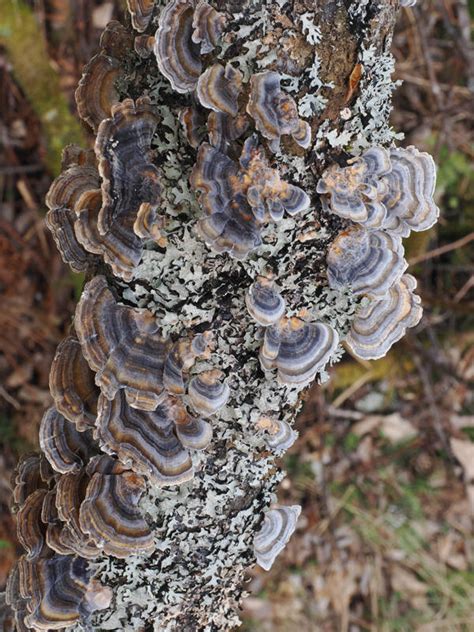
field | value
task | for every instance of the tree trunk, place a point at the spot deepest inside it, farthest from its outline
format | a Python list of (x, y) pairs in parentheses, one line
[(205, 528)]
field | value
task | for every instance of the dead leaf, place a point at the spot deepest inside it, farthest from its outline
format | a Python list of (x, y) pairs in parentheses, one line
[(464, 452), (409, 586), (354, 80), (395, 428)]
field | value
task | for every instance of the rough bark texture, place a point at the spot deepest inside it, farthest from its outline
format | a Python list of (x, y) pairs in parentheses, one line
[(205, 528)]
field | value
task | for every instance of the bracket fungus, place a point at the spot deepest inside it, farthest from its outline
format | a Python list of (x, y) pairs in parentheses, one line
[(274, 112), (367, 262), (66, 449), (280, 436), (149, 442), (129, 179), (299, 350), (29, 527), (383, 321), (264, 302), (218, 89), (239, 197), (110, 515), (208, 26), (97, 92), (278, 526), (186, 31), (143, 45), (208, 392), (224, 129), (384, 189), (120, 345), (72, 386), (79, 175), (149, 225), (230, 225), (193, 124), (31, 473), (141, 12), (180, 359), (55, 592)]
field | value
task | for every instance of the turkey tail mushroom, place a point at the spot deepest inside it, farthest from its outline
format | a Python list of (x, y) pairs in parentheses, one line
[(278, 526), (383, 321), (298, 350), (97, 92), (366, 262)]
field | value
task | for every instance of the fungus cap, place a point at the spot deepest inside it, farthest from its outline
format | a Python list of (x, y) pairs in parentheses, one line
[(278, 526), (208, 392), (383, 321)]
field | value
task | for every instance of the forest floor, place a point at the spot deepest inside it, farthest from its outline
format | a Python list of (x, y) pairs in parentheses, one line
[(384, 464)]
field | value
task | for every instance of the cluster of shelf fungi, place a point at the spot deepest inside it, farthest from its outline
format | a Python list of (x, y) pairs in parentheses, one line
[(128, 410)]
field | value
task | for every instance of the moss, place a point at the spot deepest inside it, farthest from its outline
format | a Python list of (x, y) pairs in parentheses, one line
[(19, 33)]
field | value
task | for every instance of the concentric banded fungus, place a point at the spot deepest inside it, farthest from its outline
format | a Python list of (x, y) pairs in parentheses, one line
[(118, 343), (264, 302), (193, 433), (354, 191), (177, 55), (71, 491), (208, 392), (224, 129), (193, 121), (267, 193), (381, 323), (208, 26), (238, 198), (409, 193), (141, 12), (79, 175), (54, 526), (66, 449), (111, 517), (274, 112), (180, 359), (29, 527), (120, 244), (144, 45), (280, 435), (366, 262), (218, 89), (230, 226), (96, 92), (72, 385), (55, 590), (298, 349), (384, 189), (149, 225), (129, 179), (278, 526), (144, 441), (31, 473)]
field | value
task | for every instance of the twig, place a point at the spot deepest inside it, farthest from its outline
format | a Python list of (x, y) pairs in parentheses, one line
[(342, 413), (464, 290), (460, 243), (8, 398)]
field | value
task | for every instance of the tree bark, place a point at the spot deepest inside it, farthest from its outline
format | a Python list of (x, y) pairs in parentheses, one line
[(205, 528)]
